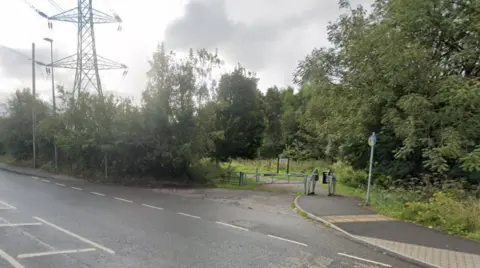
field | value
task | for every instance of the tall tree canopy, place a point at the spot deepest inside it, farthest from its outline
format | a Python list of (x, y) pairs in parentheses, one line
[(408, 70)]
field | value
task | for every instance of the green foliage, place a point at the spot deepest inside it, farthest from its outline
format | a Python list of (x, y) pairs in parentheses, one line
[(444, 211), (408, 71), (238, 116)]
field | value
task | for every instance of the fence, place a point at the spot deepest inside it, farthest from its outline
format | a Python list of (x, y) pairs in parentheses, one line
[(244, 178)]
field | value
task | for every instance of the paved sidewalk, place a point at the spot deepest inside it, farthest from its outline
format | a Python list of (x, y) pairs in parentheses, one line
[(419, 244)]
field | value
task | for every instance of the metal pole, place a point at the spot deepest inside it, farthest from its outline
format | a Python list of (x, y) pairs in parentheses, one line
[(288, 165), (34, 119), (278, 164), (54, 108), (367, 199), (106, 165)]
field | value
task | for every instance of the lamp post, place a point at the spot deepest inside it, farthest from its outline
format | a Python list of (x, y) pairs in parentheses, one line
[(53, 101)]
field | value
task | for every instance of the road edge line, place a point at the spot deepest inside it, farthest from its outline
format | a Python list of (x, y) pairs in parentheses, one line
[(363, 242), (7, 205), (231, 226), (83, 239), (364, 260), (287, 240), (11, 260), (50, 253)]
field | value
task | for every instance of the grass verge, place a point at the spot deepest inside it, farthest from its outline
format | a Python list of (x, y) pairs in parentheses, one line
[(443, 211)]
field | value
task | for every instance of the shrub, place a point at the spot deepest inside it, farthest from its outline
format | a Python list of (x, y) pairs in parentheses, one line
[(348, 176), (446, 212)]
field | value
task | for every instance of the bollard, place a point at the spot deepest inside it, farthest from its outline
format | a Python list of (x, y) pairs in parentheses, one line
[(305, 184)]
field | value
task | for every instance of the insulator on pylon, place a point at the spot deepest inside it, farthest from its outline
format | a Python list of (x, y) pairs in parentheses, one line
[(119, 28), (125, 72), (50, 25)]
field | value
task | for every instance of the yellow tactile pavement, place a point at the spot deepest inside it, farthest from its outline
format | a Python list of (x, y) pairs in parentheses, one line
[(434, 256), (357, 218)]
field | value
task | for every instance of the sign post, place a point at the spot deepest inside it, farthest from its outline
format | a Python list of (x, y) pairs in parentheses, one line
[(372, 140), (283, 162)]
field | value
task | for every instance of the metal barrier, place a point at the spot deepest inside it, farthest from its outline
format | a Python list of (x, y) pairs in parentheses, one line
[(268, 177)]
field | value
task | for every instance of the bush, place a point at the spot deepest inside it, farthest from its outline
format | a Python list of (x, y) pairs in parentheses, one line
[(446, 212), (348, 176)]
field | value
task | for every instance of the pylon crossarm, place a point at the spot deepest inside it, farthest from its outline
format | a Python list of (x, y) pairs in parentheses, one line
[(102, 17), (70, 15), (69, 62), (106, 64)]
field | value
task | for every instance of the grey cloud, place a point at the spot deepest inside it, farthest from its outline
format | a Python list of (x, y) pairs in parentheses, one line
[(15, 62), (273, 34)]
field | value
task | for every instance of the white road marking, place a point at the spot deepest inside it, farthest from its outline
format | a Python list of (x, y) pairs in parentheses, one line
[(35, 178), (124, 200), (39, 254), (45, 180), (148, 206), (61, 184), (365, 260), (288, 240), (188, 215), (10, 259), (20, 224), (78, 189), (29, 235), (95, 193), (7, 205), (76, 236), (233, 226)]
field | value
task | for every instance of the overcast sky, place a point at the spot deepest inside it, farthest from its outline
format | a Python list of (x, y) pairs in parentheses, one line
[(266, 36)]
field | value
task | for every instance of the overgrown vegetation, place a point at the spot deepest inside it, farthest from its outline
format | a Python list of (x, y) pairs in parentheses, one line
[(408, 70)]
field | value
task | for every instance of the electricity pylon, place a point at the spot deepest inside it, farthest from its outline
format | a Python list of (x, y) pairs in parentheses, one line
[(86, 62)]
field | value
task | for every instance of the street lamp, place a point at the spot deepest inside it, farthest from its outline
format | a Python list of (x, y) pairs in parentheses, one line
[(53, 100)]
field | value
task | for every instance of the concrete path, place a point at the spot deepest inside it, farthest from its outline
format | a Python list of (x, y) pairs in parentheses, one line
[(407, 240), (50, 221)]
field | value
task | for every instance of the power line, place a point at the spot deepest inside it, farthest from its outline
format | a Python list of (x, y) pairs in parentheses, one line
[(15, 51), (55, 5)]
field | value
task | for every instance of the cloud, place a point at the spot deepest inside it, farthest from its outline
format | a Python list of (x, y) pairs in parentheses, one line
[(15, 63), (268, 36)]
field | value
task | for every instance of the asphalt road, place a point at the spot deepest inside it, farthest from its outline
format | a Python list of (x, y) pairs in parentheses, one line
[(71, 223)]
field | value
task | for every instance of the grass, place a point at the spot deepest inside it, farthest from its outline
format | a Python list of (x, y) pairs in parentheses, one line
[(270, 165), (443, 211), (7, 159), (226, 176)]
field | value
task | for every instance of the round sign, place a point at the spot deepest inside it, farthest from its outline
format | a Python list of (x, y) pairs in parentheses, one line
[(372, 140)]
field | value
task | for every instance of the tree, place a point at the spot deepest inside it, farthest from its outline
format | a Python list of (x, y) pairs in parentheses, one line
[(273, 141), (239, 116), (408, 71)]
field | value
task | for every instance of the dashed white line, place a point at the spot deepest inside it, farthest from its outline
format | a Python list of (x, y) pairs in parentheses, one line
[(45, 180), (95, 193), (8, 206), (188, 215), (365, 260), (10, 260), (75, 235), (124, 200), (78, 189), (154, 207), (288, 240), (39, 254), (61, 184), (35, 178), (230, 225), (20, 224)]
